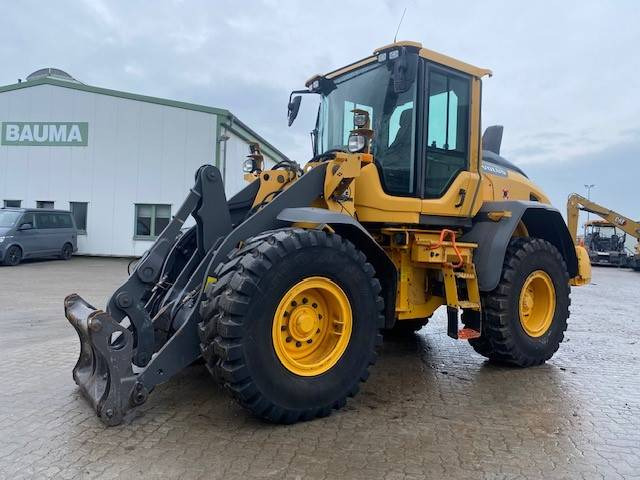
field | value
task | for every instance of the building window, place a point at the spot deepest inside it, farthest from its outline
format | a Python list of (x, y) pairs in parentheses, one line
[(79, 212), (44, 204), (151, 219), (12, 203)]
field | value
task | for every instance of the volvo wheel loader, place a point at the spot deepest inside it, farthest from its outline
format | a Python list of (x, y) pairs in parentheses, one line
[(284, 289)]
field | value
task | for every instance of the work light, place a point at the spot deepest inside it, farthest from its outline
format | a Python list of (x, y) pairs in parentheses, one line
[(356, 142), (248, 166)]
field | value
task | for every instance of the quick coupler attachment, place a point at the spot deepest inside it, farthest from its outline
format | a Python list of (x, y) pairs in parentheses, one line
[(103, 371)]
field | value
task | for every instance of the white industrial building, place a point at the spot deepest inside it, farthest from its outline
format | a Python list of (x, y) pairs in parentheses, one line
[(121, 162)]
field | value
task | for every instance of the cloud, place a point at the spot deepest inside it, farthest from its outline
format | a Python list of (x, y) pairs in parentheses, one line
[(565, 82)]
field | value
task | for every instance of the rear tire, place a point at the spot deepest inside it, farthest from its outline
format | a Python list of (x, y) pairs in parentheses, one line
[(240, 333), (66, 252), (525, 316), (13, 256)]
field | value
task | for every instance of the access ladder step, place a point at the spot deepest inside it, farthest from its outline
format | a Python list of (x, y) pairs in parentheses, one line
[(465, 275), (468, 334), (468, 304)]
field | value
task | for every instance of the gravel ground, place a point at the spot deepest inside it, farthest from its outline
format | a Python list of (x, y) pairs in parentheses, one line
[(432, 408)]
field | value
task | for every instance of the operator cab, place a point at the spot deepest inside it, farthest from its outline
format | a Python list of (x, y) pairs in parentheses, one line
[(407, 98), (424, 115)]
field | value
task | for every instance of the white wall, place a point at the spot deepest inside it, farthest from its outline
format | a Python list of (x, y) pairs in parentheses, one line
[(137, 153), (237, 150)]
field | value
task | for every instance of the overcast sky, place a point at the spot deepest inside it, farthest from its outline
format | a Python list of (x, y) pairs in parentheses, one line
[(566, 82)]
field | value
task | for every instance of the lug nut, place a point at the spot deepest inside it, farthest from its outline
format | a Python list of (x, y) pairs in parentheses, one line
[(288, 339), (298, 344)]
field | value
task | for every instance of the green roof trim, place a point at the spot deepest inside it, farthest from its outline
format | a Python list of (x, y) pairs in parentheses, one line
[(232, 119)]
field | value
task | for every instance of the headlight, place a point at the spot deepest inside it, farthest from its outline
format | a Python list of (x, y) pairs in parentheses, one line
[(360, 120), (356, 143), (2, 239), (248, 166)]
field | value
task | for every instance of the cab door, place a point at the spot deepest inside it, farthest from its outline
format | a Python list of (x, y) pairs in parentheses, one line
[(449, 144)]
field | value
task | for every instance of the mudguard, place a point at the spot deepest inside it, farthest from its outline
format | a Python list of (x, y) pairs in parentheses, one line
[(349, 228), (541, 220)]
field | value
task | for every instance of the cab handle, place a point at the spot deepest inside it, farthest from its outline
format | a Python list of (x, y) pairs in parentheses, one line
[(463, 194)]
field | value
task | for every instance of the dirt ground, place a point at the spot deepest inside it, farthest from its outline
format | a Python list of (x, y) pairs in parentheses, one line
[(432, 408)]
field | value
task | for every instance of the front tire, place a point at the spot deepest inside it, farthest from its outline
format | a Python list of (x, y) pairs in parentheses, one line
[(292, 323), (13, 256), (525, 316)]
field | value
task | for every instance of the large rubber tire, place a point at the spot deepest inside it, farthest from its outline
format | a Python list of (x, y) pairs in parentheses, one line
[(238, 314), (12, 256), (503, 337)]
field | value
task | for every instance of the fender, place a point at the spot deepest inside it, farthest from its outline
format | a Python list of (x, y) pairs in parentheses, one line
[(541, 220), (349, 228)]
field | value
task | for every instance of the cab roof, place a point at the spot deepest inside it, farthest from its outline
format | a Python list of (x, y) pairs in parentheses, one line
[(600, 223), (431, 55)]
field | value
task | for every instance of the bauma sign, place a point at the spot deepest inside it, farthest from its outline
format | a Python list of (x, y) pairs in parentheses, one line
[(48, 134)]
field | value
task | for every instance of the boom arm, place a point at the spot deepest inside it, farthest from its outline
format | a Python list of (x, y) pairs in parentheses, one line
[(576, 202)]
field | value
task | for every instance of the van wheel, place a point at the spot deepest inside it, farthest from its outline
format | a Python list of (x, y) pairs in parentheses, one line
[(13, 256), (67, 251)]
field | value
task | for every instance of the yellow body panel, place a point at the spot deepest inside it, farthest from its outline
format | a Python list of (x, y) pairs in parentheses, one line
[(374, 205), (584, 267), (512, 187)]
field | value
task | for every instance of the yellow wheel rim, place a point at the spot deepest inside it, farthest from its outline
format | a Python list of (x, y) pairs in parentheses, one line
[(312, 326), (537, 304)]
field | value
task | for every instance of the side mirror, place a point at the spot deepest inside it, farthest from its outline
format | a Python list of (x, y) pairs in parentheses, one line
[(293, 108), (25, 226)]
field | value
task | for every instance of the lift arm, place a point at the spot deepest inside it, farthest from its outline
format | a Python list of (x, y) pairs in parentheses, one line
[(576, 202)]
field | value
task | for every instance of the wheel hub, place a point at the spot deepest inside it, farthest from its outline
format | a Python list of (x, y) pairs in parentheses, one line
[(304, 322), (537, 303), (312, 326)]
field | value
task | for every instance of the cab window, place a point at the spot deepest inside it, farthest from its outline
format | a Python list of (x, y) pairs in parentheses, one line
[(447, 130)]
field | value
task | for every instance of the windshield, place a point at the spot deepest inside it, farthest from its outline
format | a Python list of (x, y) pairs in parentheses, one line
[(392, 116), (9, 218)]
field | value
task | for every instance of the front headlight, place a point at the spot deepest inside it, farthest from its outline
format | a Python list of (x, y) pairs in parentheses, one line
[(248, 166), (356, 143)]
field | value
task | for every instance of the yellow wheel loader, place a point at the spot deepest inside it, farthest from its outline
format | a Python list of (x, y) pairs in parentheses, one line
[(284, 289)]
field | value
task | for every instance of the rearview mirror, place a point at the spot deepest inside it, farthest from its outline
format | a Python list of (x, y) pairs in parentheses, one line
[(293, 108), (25, 226)]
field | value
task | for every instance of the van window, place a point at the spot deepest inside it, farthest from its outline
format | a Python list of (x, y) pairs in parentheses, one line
[(54, 220), (29, 218)]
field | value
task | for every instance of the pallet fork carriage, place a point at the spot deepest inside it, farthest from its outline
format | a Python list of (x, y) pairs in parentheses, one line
[(285, 288)]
